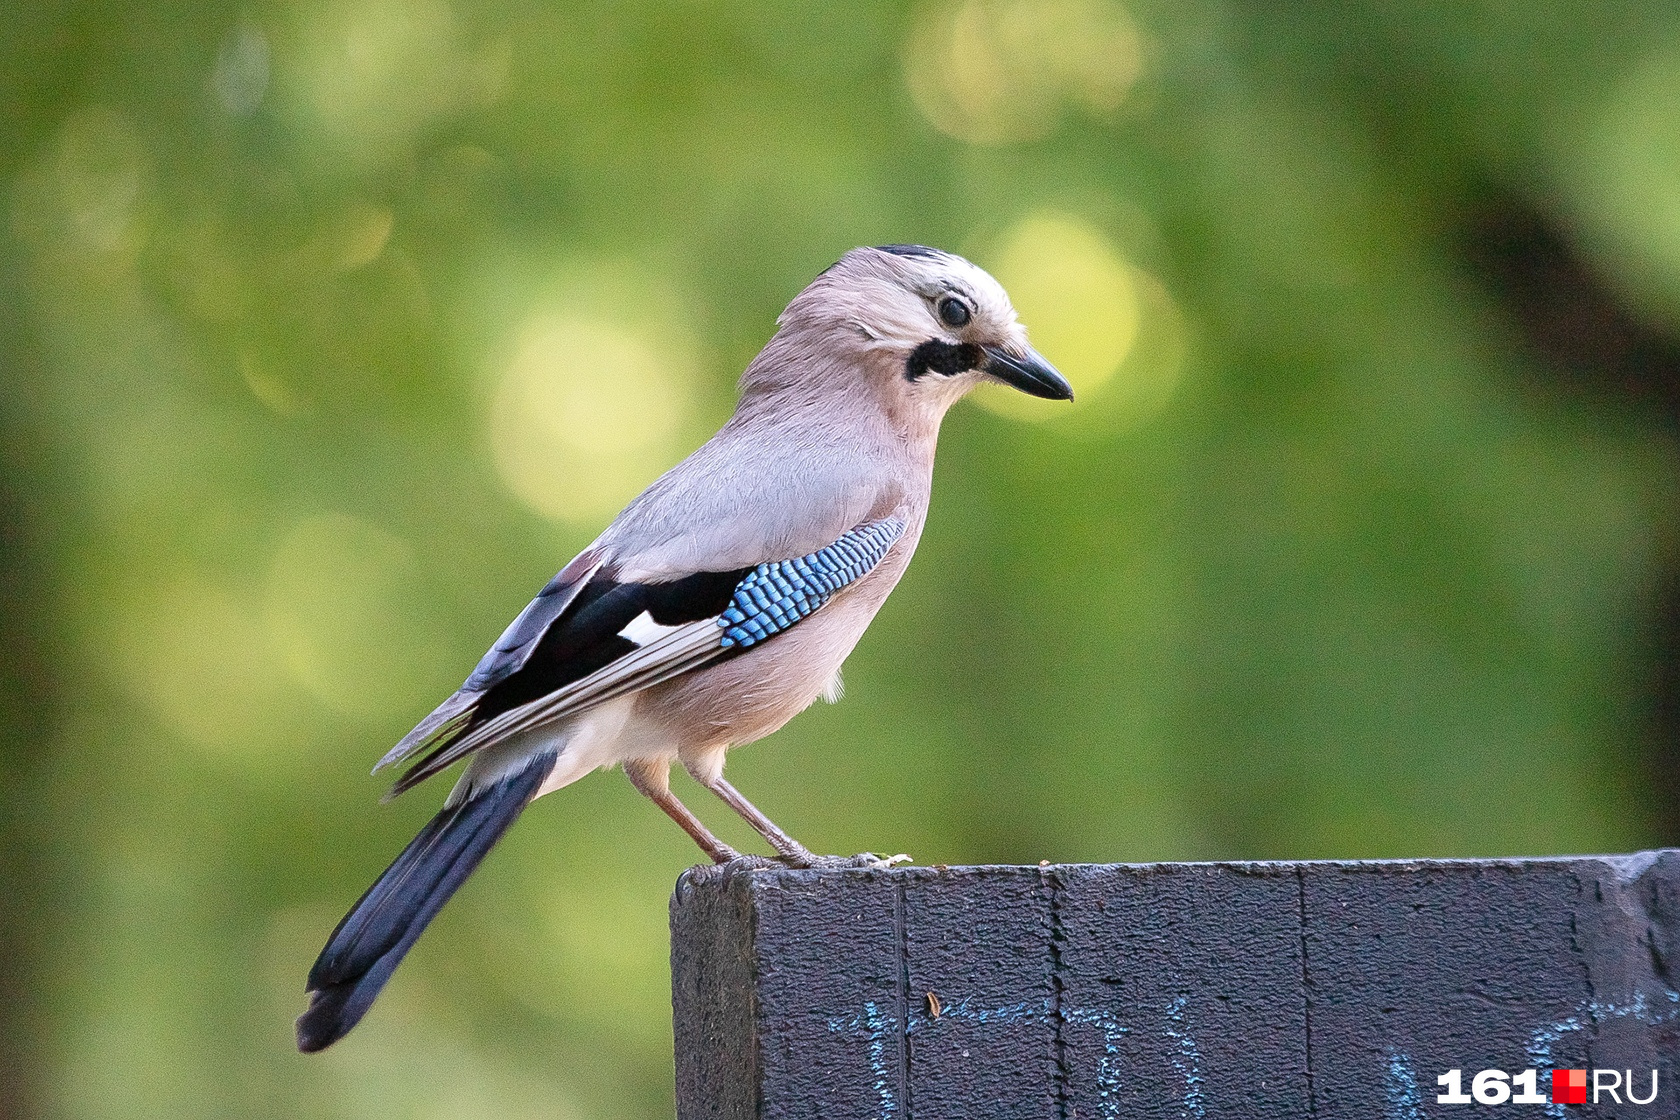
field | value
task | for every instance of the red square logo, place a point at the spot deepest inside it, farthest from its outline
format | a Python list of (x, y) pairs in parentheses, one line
[(1569, 1086)]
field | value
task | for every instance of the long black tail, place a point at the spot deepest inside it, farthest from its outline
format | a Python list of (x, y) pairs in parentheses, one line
[(372, 939)]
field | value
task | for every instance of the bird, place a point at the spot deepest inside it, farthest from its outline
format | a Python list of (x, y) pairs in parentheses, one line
[(717, 606)]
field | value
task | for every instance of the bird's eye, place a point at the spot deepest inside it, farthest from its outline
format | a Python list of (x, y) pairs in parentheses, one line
[(953, 312)]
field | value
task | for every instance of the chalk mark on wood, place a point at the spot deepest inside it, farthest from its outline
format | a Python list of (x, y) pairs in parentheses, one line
[(1592, 1012), (1404, 1101)]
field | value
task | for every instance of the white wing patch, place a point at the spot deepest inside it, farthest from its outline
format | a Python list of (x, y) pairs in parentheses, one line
[(685, 647), (643, 630), (772, 597)]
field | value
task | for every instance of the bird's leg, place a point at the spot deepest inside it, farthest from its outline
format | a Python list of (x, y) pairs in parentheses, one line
[(791, 850), (652, 779)]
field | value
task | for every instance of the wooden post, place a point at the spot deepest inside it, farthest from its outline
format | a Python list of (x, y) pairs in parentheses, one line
[(1240, 990)]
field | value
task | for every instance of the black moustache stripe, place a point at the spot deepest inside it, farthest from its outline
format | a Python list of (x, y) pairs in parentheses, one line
[(941, 357)]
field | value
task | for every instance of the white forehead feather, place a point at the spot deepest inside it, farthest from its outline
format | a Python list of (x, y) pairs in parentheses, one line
[(889, 294)]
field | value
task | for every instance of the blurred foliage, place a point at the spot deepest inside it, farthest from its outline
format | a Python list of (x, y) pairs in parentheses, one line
[(332, 328)]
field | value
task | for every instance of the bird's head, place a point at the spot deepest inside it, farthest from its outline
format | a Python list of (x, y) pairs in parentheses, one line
[(925, 325)]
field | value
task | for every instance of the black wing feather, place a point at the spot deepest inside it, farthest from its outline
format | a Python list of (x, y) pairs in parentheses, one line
[(514, 647), (374, 936), (580, 639), (573, 634), (586, 638)]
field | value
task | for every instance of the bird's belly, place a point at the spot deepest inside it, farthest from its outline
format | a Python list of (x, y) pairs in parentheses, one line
[(606, 735), (700, 714), (749, 696)]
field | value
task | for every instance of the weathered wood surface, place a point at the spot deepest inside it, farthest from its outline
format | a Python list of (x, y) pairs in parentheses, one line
[(1240, 990)]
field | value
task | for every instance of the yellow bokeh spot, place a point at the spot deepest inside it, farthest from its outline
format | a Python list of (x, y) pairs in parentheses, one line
[(346, 613), (196, 655), (373, 76), (997, 71), (361, 233), (586, 414), (81, 203), (1080, 302), (268, 386), (1627, 183)]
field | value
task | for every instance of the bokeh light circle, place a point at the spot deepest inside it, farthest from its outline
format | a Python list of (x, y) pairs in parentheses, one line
[(998, 71), (586, 414), (345, 611), (1078, 299)]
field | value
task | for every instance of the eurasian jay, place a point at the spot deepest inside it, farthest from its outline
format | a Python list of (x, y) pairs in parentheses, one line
[(718, 605)]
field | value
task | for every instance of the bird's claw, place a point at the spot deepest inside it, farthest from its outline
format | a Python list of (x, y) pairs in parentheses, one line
[(802, 861), (741, 862), (863, 860), (877, 863)]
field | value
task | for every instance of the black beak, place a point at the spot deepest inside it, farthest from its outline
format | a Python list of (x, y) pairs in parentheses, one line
[(1028, 372)]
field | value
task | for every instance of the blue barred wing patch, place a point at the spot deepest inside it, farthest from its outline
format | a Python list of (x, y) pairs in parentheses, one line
[(775, 596)]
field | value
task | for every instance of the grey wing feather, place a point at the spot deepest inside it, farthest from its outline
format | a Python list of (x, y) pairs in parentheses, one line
[(758, 604), (686, 648), (514, 647), (504, 658)]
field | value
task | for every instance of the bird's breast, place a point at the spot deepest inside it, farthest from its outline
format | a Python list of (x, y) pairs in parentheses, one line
[(751, 695)]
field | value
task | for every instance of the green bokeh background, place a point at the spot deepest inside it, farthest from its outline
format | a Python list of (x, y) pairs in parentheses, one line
[(1323, 563)]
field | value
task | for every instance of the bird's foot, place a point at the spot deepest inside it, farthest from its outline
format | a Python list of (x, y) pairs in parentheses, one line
[(880, 863), (864, 860), (734, 863)]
